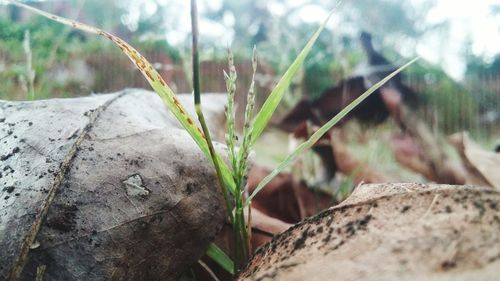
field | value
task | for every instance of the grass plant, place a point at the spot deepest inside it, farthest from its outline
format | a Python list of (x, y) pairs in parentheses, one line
[(232, 177)]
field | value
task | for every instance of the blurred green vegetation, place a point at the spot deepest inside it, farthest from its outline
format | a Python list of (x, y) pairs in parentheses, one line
[(446, 103), (67, 62)]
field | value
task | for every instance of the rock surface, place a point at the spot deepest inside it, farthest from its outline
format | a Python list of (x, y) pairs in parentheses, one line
[(107, 187), (391, 232)]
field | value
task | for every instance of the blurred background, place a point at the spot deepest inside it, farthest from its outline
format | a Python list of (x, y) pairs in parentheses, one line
[(458, 77)]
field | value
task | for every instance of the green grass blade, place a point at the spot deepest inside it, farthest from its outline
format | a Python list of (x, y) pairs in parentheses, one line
[(156, 82), (216, 254), (321, 131), (264, 115)]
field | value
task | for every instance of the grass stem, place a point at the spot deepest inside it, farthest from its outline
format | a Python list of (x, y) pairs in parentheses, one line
[(238, 219), (199, 112)]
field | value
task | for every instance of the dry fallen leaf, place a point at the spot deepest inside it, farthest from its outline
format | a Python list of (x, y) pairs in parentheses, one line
[(264, 227), (286, 198), (348, 164), (391, 232), (409, 154), (107, 187), (482, 165), (331, 101)]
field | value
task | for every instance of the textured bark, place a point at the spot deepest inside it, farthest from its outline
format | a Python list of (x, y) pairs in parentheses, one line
[(391, 232), (107, 187)]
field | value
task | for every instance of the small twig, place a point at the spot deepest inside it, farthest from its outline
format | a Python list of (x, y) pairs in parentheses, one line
[(207, 269), (434, 200)]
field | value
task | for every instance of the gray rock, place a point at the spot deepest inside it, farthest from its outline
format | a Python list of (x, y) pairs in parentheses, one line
[(107, 187)]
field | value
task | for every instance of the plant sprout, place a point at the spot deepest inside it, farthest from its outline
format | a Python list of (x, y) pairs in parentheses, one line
[(232, 177)]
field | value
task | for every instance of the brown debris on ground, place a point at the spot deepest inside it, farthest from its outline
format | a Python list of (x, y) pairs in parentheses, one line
[(481, 166), (286, 198), (420, 232)]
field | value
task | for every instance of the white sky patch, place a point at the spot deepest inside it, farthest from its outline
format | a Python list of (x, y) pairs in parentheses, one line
[(179, 31), (179, 27), (228, 19), (216, 31), (209, 4), (276, 8), (312, 14), (468, 20)]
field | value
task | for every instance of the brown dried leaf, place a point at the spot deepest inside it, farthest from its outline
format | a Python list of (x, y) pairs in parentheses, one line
[(348, 164), (285, 198), (391, 232), (107, 187), (482, 165), (265, 227)]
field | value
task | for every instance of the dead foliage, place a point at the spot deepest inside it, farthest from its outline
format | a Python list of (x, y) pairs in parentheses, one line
[(390, 232)]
